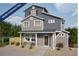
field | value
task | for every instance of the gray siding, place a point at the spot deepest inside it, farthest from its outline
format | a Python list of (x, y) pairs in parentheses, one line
[(40, 40), (31, 25), (54, 26), (62, 40), (28, 10)]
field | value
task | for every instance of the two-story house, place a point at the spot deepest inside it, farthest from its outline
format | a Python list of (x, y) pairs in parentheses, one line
[(42, 28)]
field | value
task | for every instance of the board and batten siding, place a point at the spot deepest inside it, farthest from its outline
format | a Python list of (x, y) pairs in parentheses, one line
[(31, 25), (62, 39), (54, 26)]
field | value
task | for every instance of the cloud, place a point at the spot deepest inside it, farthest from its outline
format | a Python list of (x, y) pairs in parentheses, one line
[(74, 13), (14, 20), (66, 7)]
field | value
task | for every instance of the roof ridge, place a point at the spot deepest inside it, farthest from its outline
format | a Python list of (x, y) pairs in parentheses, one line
[(33, 16), (36, 6)]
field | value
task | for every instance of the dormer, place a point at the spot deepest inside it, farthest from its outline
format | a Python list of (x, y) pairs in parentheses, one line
[(34, 10)]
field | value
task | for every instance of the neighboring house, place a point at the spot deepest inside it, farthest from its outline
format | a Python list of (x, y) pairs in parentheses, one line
[(42, 28)]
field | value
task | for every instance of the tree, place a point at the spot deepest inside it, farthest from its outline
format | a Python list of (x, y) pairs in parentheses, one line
[(73, 35), (7, 29)]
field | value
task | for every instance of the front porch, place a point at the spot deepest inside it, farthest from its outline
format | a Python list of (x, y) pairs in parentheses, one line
[(38, 39)]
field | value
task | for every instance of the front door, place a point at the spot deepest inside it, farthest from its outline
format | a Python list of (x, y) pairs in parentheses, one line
[(46, 40)]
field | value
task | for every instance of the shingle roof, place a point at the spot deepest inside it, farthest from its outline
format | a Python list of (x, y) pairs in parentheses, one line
[(39, 30), (36, 6), (33, 16)]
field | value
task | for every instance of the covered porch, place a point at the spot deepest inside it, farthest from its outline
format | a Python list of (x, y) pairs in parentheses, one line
[(45, 39)]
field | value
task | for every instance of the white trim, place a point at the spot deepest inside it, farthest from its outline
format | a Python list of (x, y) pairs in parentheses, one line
[(54, 40), (36, 25), (32, 16), (67, 40), (61, 25), (36, 32), (42, 25), (44, 41), (60, 34), (36, 39), (33, 12), (20, 39), (50, 14), (24, 26), (51, 21)]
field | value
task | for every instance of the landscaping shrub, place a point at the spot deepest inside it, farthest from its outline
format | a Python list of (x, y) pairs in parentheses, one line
[(0, 44), (22, 46), (31, 46), (59, 45), (6, 39), (12, 43), (17, 44)]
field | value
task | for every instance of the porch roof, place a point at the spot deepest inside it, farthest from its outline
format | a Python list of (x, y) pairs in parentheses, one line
[(36, 32)]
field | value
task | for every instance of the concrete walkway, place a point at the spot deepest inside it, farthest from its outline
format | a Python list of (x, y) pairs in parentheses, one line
[(40, 51)]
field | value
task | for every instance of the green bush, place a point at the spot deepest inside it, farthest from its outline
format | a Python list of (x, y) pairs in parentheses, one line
[(17, 44), (6, 39), (73, 36), (59, 45), (12, 43), (22, 46)]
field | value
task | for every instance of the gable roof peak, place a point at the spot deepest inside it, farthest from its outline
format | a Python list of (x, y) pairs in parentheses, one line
[(36, 6)]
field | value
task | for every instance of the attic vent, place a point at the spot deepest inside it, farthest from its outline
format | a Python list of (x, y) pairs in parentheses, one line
[(33, 7)]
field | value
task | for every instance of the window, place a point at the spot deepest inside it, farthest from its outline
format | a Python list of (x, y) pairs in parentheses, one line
[(33, 39), (36, 11), (61, 34), (26, 24), (28, 39), (51, 21), (37, 23), (33, 12)]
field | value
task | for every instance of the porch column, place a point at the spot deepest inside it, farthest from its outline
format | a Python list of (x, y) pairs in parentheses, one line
[(30, 38), (20, 39), (36, 39), (54, 40), (67, 40)]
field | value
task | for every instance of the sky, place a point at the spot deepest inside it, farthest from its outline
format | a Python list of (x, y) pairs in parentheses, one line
[(69, 12)]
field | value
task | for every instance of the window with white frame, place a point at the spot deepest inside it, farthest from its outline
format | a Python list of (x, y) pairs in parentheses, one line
[(51, 21), (37, 23), (61, 34), (33, 12), (26, 24)]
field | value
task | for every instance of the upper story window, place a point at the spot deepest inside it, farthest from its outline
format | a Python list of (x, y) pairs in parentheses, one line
[(33, 11), (51, 21), (37, 23), (26, 24)]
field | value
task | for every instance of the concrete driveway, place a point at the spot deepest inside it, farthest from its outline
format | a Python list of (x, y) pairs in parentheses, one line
[(18, 51), (39, 51)]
